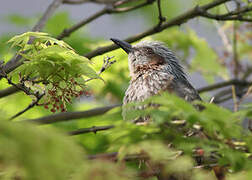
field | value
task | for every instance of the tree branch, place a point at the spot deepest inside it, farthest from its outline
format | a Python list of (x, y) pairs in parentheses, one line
[(93, 129), (47, 14), (224, 18), (106, 10), (67, 32), (233, 15), (27, 91), (226, 94), (75, 1), (65, 116), (190, 14), (38, 97), (20, 86), (8, 91), (106, 64), (238, 11), (113, 156), (119, 2), (160, 16), (224, 84)]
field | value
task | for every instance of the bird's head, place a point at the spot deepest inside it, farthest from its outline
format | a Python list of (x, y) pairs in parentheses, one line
[(150, 55)]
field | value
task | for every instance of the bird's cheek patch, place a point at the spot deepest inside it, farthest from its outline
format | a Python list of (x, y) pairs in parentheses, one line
[(157, 60)]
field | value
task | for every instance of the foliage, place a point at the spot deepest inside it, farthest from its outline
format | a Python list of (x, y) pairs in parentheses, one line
[(54, 63), (29, 152)]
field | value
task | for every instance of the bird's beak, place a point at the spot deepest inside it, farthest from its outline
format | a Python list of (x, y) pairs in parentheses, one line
[(122, 44)]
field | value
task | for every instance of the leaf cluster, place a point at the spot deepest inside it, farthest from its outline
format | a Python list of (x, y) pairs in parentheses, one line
[(51, 66)]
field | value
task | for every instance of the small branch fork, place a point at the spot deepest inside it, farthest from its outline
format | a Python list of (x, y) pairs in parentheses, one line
[(160, 17), (93, 129), (224, 84), (242, 87), (107, 10), (106, 64), (34, 103), (237, 15), (27, 91)]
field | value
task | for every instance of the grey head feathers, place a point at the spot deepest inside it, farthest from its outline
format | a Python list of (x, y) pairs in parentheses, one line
[(171, 62)]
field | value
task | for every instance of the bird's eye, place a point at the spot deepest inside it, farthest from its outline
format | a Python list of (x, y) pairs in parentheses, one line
[(148, 51)]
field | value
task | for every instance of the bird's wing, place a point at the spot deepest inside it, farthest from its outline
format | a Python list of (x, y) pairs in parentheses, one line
[(184, 89)]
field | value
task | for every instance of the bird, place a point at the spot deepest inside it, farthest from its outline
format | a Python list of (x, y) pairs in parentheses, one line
[(154, 68)]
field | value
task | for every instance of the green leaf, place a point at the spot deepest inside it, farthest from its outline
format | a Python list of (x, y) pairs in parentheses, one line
[(62, 84)]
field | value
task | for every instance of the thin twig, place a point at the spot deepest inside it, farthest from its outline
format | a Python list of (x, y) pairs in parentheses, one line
[(245, 95), (21, 86), (224, 84), (226, 95), (67, 32), (75, 1), (93, 129), (106, 64), (236, 18), (211, 100), (160, 16), (27, 91), (228, 18), (106, 10), (224, 38), (233, 15), (234, 99), (222, 96), (47, 14), (235, 54), (28, 107), (65, 116), (8, 91), (239, 11)]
